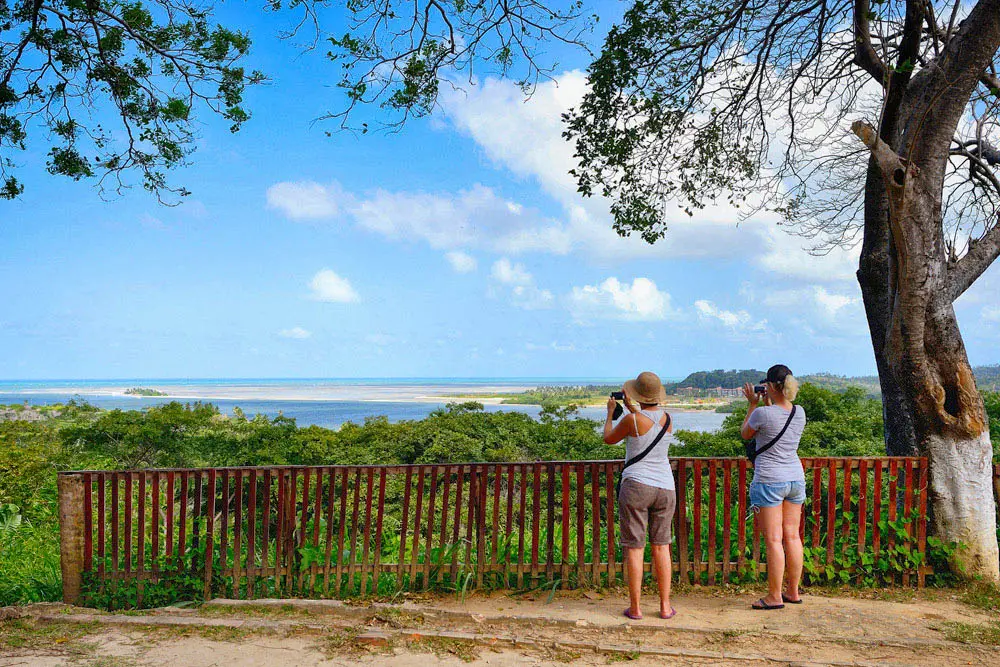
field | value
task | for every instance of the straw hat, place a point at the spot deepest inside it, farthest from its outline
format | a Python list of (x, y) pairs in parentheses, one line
[(646, 388)]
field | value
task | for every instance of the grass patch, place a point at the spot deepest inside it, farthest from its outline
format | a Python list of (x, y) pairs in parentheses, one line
[(23, 635), (622, 656), (256, 611), (397, 618), (443, 647), (973, 633), (982, 596)]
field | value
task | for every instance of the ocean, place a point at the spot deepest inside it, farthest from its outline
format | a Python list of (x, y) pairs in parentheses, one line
[(321, 402)]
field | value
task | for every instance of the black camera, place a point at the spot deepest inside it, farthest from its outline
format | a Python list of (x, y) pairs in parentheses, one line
[(618, 396), (760, 389)]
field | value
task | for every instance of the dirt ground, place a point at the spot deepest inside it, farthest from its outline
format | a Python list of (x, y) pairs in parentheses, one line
[(712, 627)]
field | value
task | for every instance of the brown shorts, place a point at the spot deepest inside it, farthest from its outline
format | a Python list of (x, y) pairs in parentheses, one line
[(639, 504)]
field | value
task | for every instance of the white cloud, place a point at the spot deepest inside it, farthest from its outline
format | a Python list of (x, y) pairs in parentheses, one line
[(639, 302), (991, 314), (738, 321), (461, 262), (513, 280), (328, 286), (305, 200), (297, 333), (814, 300)]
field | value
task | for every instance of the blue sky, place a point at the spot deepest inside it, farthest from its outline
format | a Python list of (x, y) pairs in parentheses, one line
[(457, 247)]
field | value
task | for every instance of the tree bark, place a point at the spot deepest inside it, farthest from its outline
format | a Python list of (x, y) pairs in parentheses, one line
[(923, 346), (875, 276)]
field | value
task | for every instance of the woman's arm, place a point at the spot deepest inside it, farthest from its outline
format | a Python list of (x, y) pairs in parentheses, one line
[(753, 399), (615, 434)]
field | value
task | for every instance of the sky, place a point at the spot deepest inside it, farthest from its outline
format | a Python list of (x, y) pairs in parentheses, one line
[(457, 247)]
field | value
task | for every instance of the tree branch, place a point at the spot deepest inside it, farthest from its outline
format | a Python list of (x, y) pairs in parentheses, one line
[(865, 56), (982, 253)]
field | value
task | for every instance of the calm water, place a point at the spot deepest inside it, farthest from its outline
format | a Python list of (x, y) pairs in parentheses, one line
[(299, 398)]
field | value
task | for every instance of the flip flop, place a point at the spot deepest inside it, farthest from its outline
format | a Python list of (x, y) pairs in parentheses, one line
[(667, 617), (761, 605), (628, 614), (785, 598)]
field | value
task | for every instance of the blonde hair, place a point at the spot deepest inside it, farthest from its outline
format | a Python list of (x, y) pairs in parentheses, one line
[(790, 387)]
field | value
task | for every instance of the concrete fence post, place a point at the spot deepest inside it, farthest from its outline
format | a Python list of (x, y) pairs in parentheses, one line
[(71, 535)]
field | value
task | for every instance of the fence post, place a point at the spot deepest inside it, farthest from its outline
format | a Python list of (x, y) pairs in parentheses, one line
[(71, 536)]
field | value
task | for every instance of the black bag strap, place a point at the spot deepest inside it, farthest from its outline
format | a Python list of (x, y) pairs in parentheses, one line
[(641, 455), (773, 442)]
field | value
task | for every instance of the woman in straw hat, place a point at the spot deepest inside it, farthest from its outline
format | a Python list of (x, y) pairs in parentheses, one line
[(646, 498)]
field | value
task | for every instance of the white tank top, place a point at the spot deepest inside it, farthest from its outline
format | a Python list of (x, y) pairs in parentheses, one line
[(654, 469)]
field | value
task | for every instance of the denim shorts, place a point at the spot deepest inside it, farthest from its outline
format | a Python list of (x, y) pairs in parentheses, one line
[(763, 494)]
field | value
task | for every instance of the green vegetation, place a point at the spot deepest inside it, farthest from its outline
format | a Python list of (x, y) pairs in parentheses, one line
[(143, 391), (78, 436)]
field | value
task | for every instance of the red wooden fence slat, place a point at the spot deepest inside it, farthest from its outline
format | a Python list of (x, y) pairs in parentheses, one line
[(331, 503), (127, 547), (609, 488), (355, 520), (341, 530), (115, 556), (471, 549), (238, 562), (727, 509), (564, 558), (154, 508), (508, 529), (417, 514), (402, 526), (696, 562), (140, 529), (581, 522), (224, 528), (550, 557), (169, 542), (877, 510), (279, 530), (521, 520), (922, 525), (88, 523), (712, 518), (481, 564), (445, 506), (495, 534), (265, 526), (862, 508), (817, 507), (365, 563), (907, 511), (378, 530), (428, 550), (831, 509), (892, 500), (595, 525), (456, 528), (535, 519), (209, 533), (741, 516), (845, 508), (101, 481), (180, 563)]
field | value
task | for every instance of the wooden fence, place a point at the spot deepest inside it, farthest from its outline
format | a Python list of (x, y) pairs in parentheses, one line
[(333, 531)]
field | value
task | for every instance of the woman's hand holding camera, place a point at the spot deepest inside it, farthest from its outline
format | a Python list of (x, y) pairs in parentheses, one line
[(753, 398)]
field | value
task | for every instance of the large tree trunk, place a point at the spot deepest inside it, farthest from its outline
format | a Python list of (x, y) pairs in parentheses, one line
[(875, 276), (926, 356)]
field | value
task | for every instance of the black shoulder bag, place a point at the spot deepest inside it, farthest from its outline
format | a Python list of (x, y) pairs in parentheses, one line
[(641, 455), (751, 447)]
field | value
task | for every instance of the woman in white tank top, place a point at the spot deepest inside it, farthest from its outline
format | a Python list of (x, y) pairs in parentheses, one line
[(646, 498)]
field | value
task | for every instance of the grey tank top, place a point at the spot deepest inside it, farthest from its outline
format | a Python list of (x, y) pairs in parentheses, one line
[(654, 469)]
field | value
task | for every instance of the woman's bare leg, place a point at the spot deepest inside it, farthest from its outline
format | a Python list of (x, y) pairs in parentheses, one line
[(633, 577), (792, 543), (662, 571), (771, 526)]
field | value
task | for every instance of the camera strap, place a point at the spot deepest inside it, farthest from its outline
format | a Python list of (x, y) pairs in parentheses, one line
[(758, 452)]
